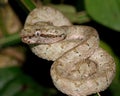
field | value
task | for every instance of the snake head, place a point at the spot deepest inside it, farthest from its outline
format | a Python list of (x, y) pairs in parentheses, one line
[(42, 34)]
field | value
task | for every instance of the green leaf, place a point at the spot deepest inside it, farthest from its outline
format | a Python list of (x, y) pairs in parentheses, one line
[(6, 75), (12, 88), (14, 83), (106, 12), (28, 4)]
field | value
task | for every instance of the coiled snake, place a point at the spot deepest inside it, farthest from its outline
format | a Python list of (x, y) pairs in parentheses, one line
[(80, 66)]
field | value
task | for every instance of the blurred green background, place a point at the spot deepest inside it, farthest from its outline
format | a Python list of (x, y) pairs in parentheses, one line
[(24, 74)]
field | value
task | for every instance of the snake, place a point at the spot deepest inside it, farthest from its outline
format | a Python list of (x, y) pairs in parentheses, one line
[(81, 67)]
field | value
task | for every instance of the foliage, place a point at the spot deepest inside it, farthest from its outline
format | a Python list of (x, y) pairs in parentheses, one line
[(14, 83), (105, 12)]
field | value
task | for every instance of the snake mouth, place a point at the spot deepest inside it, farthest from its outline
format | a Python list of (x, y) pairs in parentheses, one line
[(42, 39)]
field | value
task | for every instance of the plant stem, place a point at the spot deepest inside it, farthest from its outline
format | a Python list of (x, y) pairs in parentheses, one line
[(28, 4), (2, 25), (98, 94), (10, 40)]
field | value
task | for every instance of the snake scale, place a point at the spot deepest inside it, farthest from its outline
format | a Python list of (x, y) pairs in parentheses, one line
[(80, 66)]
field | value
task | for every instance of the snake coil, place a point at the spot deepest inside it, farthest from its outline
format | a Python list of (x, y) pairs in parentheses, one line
[(80, 66)]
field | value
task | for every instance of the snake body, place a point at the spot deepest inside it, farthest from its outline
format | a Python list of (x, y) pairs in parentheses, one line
[(80, 66)]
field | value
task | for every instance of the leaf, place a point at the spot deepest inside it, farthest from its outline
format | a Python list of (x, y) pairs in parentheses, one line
[(28, 4), (6, 76), (14, 83), (106, 12)]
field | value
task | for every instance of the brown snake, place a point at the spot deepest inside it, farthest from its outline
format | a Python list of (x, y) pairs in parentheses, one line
[(80, 66)]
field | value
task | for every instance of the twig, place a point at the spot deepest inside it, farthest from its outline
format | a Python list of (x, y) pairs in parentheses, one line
[(98, 94)]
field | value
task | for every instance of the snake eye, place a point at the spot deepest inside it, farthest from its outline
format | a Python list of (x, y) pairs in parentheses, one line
[(37, 33)]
